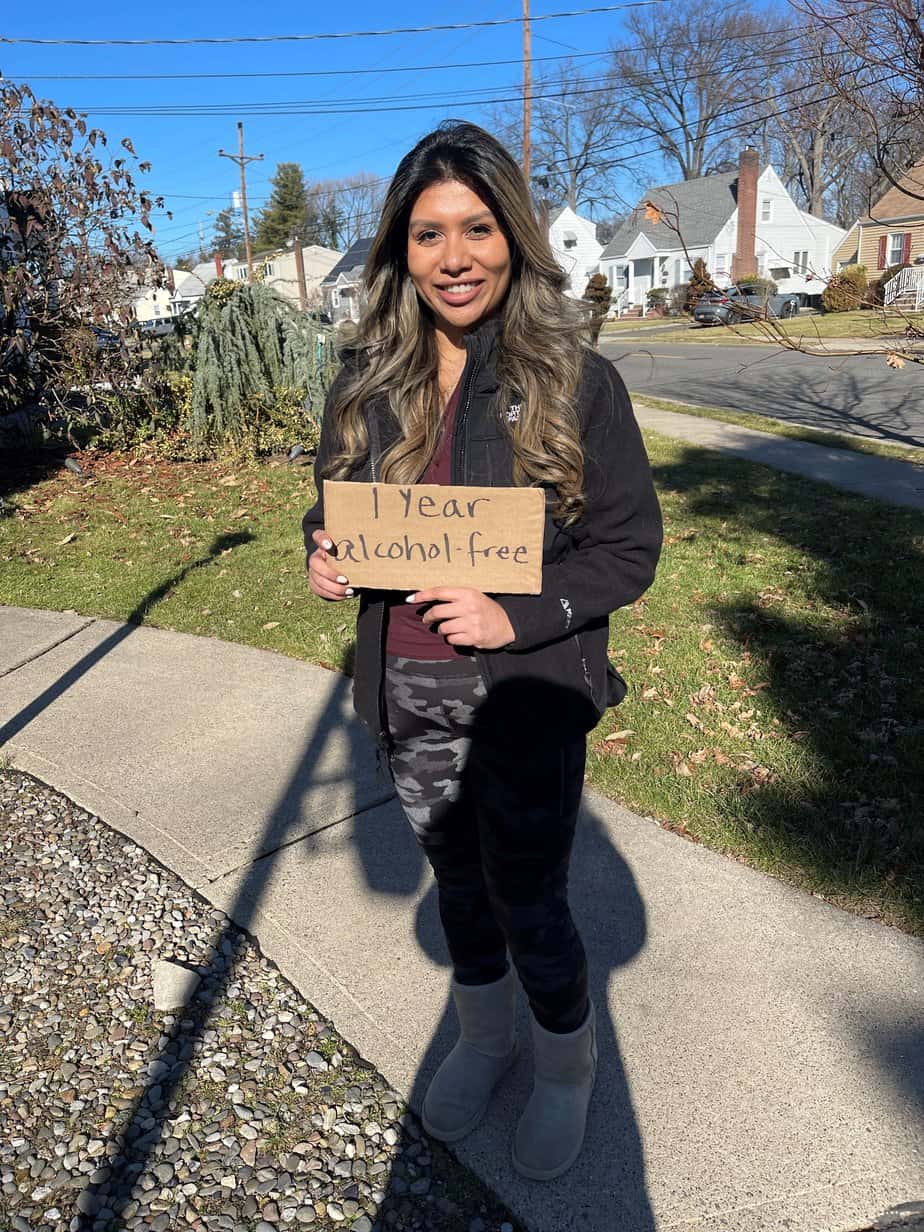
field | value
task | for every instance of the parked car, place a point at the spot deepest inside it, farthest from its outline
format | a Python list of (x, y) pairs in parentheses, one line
[(743, 303)]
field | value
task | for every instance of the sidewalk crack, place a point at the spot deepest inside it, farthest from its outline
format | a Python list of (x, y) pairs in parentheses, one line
[(44, 650), (300, 838)]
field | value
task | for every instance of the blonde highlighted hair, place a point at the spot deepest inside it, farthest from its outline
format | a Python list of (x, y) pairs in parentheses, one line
[(542, 332)]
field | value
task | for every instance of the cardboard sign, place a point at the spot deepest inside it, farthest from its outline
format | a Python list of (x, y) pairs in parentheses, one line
[(392, 536)]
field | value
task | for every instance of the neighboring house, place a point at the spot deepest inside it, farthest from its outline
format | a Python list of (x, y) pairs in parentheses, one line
[(575, 247), (189, 285), (277, 270), (154, 303), (892, 233), (342, 290), (740, 222)]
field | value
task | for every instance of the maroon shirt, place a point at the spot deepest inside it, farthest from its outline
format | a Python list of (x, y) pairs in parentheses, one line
[(408, 637)]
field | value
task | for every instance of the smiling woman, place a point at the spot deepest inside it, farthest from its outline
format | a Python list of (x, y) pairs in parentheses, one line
[(470, 367)]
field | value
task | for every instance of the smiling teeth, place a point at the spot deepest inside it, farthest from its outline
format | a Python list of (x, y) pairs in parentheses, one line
[(461, 288)]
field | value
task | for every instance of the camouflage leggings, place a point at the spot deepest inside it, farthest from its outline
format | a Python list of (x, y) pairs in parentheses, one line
[(497, 831)]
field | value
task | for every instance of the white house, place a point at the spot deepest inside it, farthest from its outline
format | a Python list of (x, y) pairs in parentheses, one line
[(740, 222), (574, 244), (277, 270), (153, 304)]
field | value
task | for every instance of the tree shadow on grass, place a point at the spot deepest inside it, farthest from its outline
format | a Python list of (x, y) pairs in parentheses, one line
[(839, 645)]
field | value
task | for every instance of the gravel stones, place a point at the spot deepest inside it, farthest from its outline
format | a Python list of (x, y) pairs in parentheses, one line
[(236, 1106)]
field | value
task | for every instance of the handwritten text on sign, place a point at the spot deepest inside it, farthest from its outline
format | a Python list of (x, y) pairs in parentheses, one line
[(394, 536)]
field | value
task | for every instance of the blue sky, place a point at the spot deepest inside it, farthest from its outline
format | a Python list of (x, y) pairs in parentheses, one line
[(183, 150)]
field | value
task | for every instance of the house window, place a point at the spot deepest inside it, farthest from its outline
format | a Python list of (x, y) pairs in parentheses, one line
[(570, 239), (242, 273), (721, 263), (896, 250), (269, 269), (766, 210), (800, 262)]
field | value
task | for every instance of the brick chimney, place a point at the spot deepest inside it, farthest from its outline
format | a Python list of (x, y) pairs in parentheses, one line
[(745, 261), (219, 268)]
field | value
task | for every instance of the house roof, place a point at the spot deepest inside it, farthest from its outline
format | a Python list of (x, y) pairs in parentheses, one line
[(702, 208), (354, 258), (904, 201)]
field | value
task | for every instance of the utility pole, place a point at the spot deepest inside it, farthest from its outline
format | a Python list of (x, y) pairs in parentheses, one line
[(242, 160), (300, 273), (527, 91)]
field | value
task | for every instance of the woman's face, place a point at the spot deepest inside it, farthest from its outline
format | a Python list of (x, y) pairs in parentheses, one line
[(457, 256)]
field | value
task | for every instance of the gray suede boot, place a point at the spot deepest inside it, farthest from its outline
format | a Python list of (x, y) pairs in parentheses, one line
[(550, 1134), (460, 1089)]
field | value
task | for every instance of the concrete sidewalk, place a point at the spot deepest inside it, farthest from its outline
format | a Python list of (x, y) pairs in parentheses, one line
[(884, 479), (761, 1053)]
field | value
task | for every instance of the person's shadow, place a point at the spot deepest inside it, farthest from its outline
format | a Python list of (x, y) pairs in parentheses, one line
[(610, 1173)]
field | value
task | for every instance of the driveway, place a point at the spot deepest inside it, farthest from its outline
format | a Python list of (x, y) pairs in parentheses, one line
[(843, 393)]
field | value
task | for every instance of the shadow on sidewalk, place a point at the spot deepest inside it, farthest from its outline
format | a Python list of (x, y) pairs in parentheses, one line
[(609, 1177), (13, 726)]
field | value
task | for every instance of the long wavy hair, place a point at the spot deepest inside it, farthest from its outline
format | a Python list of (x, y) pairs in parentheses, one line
[(394, 353)]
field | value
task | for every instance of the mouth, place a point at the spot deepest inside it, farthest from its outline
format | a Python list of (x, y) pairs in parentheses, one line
[(458, 294)]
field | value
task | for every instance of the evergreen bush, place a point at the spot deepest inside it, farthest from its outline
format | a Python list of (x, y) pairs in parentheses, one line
[(845, 291), (700, 282), (260, 371), (598, 294)]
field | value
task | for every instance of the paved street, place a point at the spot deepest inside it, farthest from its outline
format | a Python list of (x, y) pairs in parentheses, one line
[(844, 393)]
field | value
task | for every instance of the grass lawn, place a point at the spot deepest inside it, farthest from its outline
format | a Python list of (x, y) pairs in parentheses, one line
[(775, 709), (776, 427), (866, 327)]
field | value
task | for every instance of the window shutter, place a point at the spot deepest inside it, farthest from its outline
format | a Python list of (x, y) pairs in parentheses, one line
[(906, 248), (883, 240)]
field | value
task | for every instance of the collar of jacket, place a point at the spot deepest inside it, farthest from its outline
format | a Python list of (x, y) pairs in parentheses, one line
[(482, 345)]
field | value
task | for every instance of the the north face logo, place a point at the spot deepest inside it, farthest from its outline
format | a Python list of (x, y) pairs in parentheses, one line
[(513, 411)]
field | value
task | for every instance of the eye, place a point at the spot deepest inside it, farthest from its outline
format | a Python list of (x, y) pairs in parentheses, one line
[(481, 229), (426, 237)]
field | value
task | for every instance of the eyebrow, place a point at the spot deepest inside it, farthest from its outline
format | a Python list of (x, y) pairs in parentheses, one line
[(426, 222)]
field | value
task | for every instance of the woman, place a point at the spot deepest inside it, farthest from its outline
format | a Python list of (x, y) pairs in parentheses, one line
[(469, 367)]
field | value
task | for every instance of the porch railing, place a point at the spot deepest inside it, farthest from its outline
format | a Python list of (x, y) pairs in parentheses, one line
[(907, 282)]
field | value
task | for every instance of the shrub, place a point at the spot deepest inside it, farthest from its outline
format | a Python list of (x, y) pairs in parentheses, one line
[(598, 295), (657, 298), (700, 282), (766, 286), (845, 291), (260, 371), (677, 303)]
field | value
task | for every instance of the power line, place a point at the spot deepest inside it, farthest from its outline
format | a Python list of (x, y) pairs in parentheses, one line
[(311, 38)]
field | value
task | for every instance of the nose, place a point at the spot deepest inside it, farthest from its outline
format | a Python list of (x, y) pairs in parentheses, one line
[(455, 255)]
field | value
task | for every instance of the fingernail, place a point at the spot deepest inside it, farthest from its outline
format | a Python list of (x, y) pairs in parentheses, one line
[(327, 544), (342, 580), (411, 599), (349, 591)]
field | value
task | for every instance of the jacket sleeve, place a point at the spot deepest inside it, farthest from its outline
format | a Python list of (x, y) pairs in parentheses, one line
[(616, 544)]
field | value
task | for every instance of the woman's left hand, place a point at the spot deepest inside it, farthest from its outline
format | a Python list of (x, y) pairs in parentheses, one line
[(465, 617)]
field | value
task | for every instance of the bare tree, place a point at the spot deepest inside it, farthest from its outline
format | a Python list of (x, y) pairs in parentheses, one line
[(576, 122), (349, 208), (690, 70), (884, 39)]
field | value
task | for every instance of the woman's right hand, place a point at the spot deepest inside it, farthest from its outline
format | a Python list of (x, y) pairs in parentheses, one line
[(324, 575)]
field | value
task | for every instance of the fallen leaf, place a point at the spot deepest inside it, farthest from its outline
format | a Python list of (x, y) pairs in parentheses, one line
[(68, 539), (618, 736), (649, 694), (895, 361), (271, 624), (695, 722)]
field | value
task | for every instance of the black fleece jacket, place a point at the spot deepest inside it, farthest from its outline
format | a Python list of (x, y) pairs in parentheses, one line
[(590, 569)]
